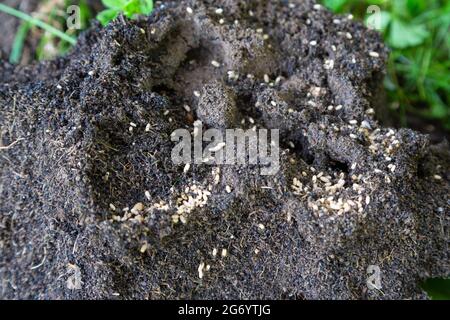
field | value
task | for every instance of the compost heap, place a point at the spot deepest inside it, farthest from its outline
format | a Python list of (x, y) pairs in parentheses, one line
[(93, 207)]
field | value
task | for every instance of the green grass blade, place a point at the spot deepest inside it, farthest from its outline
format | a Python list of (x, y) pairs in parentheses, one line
[(37, 23), (19, 40)]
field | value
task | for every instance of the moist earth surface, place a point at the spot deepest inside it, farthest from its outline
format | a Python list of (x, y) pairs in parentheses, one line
[(92, 206)]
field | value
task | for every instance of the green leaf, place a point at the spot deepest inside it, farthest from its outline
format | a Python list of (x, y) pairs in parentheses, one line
[(438, 109), (335, 5), (107, 15), (138, 7), (114, 4), (128, 7), (389, 83), (399, 8), (146, 6), (437, 288), (131, 8), (403, 35), (416, 7), (380, 22)]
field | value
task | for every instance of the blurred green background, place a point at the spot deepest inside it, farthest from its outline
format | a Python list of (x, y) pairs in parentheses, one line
[(418, 74)]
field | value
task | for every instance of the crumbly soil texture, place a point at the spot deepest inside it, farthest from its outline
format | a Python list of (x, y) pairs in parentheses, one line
[(92, 206)]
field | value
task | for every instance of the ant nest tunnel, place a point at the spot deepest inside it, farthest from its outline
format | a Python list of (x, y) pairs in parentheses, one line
[(92, 205)]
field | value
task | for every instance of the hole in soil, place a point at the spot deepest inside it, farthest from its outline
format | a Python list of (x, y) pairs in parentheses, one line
[(188, 67), (245, 104), (421, 169), (199, 55), (324, 161), (164, 90), (196, 68), (301, 146), (300, 150), (338, 166)]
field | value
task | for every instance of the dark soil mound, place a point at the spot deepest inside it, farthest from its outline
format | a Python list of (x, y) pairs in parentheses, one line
[(92, 205)]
